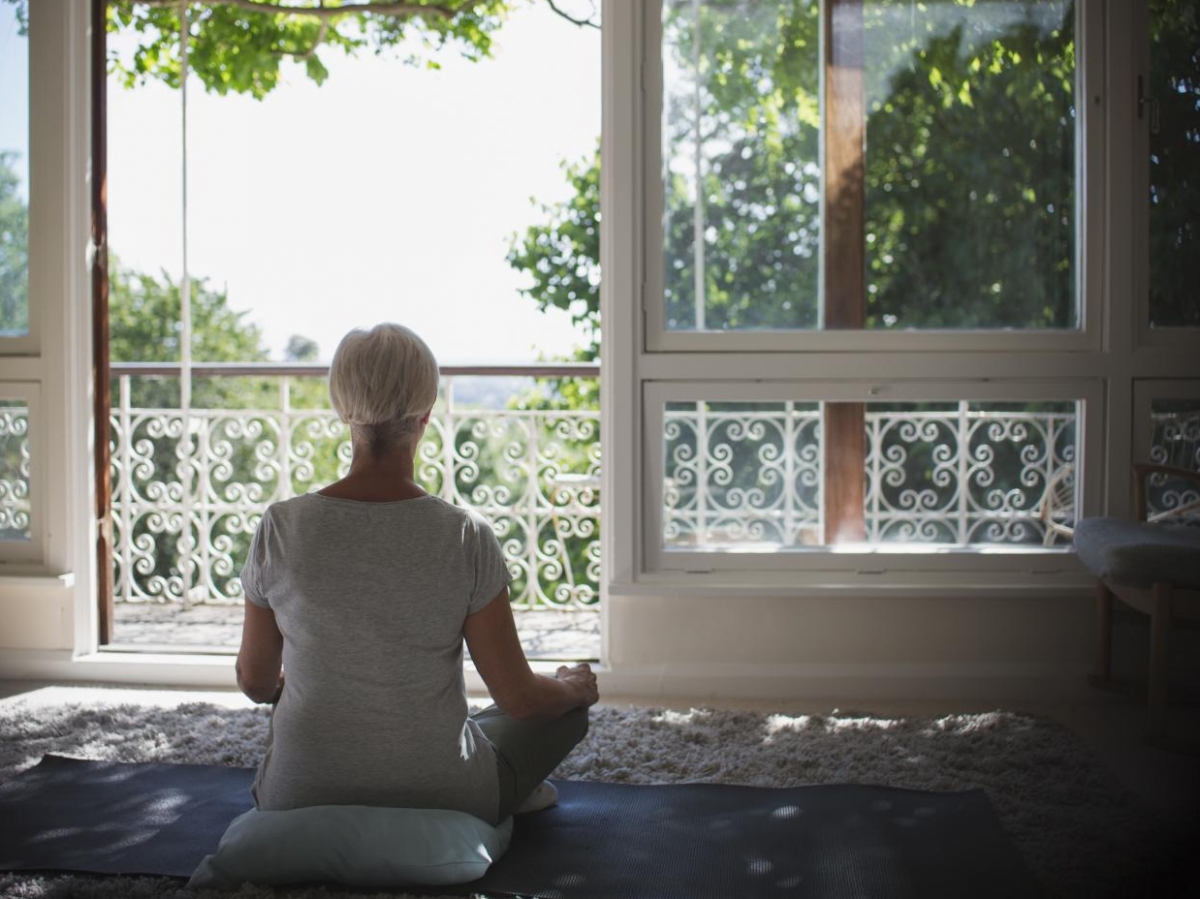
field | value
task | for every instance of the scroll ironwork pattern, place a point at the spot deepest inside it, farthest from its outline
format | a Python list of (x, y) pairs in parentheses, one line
[(964, 473), (189, 490), (14, 471), (1175, 442)]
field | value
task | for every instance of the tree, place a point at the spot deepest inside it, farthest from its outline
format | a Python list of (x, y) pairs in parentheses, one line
[(239, 45), (968, 179), (562, 256), (301, 349), (1174, 163), (14, 251), (965, 137)]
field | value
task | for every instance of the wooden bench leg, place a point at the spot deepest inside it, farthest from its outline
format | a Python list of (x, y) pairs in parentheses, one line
[(1103, 672), (1160, 625)]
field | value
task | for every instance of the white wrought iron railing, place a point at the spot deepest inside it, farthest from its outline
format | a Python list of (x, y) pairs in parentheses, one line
[(14, 470), (184, 509), (958, 474)]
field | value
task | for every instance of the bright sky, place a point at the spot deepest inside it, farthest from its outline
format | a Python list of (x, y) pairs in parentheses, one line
[(387, 194)]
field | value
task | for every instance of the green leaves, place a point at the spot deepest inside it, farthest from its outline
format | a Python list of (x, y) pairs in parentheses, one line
[(14, 251), (562, 257), (237, 50)]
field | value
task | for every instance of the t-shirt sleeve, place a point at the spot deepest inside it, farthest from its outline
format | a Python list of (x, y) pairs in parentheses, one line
[(256, 562), (490, 569)]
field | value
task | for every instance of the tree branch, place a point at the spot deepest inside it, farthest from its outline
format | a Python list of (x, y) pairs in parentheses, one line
[(380, 8), (322, 31), (582, 23)]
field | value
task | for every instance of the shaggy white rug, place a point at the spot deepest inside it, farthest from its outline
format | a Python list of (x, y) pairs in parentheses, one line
[(1080, 833)]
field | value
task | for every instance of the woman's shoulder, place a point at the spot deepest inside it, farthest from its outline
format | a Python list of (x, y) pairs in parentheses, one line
[(316, 504)]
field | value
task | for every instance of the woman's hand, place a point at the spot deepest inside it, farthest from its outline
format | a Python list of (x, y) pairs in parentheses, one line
[(583, 680), (491, 636)]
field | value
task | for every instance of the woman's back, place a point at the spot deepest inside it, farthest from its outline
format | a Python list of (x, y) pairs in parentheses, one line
[(371, 598)]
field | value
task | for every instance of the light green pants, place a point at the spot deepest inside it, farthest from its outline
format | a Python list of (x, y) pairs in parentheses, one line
[(527, 751)]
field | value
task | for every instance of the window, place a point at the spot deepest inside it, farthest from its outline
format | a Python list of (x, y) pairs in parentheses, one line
[(19, 514), (872, 286), (930, 186)]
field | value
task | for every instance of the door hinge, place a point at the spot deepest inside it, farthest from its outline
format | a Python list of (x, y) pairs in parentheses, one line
[(1145, 100)]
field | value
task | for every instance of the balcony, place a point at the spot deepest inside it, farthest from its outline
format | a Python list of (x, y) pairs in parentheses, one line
[(188, 489), (741, 476)]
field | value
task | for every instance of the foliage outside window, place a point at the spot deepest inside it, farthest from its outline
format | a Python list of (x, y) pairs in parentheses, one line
[(14, 173), (1174, 162), (959, 195)]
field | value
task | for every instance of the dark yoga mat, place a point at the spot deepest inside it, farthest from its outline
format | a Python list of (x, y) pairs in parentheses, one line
[(602, 841), (114, 818), (712, 841)]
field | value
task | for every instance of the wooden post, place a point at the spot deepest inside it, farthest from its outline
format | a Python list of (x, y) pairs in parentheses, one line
[(1160, 628), (1103, 672), (844, 306), (100, 360)]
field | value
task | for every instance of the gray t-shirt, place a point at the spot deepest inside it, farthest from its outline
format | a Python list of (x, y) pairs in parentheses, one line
[(371, 599)]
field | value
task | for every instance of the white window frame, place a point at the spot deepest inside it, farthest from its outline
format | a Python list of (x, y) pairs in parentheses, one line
[(50, 366), (1089, 231), (1105, 355), (18, 369)]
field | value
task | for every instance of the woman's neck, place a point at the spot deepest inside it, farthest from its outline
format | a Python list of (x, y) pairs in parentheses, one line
[(379, 479)]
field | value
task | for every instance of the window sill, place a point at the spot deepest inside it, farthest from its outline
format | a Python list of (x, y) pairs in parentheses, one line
[(880, 582), (30, 576)]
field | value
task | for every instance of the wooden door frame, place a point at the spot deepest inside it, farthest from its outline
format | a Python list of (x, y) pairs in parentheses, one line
[(100, 332)]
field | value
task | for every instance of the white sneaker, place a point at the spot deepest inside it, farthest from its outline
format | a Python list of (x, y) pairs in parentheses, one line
[(543, 796)]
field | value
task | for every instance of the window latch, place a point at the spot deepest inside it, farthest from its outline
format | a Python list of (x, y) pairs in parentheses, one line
[(1144, 100)]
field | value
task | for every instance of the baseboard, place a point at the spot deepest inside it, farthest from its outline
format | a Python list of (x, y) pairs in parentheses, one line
[(850, 682), (697, 682), (144, 669)]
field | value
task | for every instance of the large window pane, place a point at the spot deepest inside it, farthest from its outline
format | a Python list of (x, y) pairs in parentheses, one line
[(1174, 162), (14, 173), (970, 164), (741, 123), (959, 202), (749, 476)]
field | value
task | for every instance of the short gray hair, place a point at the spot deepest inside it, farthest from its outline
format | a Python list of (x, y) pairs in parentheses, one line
[(381, 383)]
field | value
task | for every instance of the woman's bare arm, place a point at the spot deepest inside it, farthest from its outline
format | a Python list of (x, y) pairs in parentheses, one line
[(260, 660), (491, 636)]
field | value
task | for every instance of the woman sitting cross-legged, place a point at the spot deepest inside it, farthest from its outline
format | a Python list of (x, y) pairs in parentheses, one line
[(363, 593)]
